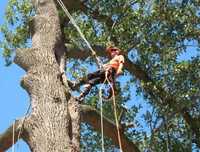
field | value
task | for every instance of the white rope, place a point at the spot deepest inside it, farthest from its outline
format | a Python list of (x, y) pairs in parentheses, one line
[(13, 140), (23, 122), (117, 122), (99, 63), (115, 112), (102, 134), (101, 107)]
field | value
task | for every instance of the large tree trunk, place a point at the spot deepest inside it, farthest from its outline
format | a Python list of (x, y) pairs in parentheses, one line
[(54, 122)]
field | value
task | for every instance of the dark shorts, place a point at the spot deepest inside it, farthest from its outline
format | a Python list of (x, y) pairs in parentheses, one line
[(100, 75)]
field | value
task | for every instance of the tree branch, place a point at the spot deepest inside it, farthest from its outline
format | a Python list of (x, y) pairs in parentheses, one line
[(74, 5), (139, 73), (83, 53), (194, 125), (25, 58), (6, 139), (93, 117), (96, 15)]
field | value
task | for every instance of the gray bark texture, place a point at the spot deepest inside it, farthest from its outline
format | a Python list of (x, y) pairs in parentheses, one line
[(54, 122)]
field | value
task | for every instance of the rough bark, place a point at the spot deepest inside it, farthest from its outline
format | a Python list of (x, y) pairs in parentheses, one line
[(54, 122)]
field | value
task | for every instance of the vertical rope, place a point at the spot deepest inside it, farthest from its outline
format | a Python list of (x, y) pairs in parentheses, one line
[(101, 107), (99, 63), (23, 122), (13, 139), (116, 120), (20, 130), (115, 113)]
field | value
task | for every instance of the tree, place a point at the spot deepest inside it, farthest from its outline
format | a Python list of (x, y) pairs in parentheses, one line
[(152, 34)]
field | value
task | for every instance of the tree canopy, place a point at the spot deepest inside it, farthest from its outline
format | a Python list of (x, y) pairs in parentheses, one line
[(161, 89)]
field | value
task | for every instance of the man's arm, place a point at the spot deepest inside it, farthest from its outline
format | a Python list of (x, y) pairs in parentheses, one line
[(119, 70), (121, 64)]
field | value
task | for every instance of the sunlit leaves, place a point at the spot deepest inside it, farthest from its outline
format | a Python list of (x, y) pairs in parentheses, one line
[(16, 27), (159, 32)]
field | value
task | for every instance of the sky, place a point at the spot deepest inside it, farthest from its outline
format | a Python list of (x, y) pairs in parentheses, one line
[(14, 101)]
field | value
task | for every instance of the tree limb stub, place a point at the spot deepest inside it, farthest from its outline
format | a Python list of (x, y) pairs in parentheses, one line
[(6, 139), (25, 58), (93, 117)]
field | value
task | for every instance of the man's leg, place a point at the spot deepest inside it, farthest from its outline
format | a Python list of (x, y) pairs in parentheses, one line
[(87, 88), (94, 79), (84, 80)]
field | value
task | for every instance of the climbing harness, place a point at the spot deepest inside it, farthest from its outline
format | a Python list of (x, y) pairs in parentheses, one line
[(108, 72), (100, 65)]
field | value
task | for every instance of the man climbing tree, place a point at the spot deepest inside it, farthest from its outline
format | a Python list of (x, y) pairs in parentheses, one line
[(55, 119), (160, 42), (107, 74)]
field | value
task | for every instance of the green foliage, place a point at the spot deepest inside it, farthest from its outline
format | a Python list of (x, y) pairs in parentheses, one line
[(89, 137), (153, 34), (16, 27), (159, 32)]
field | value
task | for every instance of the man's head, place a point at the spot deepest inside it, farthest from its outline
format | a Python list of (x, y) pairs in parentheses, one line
[(112, 51)]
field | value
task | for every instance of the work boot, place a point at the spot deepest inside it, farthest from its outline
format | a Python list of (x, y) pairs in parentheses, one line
[(86, 90), (74, 85)]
